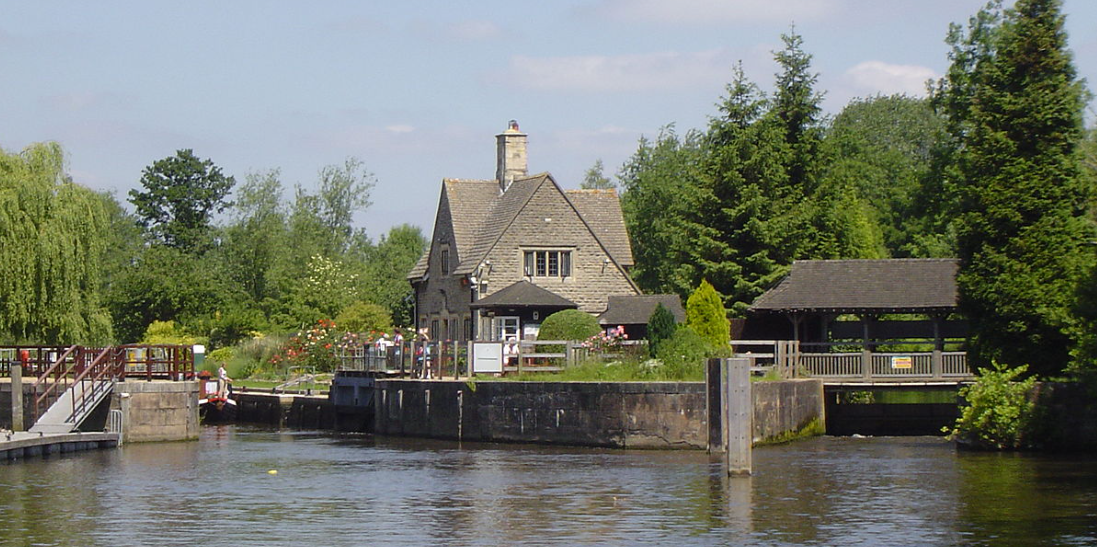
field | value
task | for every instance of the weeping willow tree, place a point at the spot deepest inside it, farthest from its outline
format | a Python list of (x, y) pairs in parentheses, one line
[(52, 236)]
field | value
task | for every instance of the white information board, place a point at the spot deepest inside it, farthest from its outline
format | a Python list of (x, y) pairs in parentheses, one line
[(487, 357)]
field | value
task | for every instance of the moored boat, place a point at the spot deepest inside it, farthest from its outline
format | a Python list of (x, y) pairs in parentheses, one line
[(215, 405)]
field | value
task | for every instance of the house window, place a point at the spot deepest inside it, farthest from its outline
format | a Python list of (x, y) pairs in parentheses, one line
[(505, 327), (445, 261), (548, 263)]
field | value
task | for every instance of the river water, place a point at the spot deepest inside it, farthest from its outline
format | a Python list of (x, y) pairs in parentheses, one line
[(332, 490)]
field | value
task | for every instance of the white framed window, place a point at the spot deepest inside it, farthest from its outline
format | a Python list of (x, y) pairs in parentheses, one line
[(548, 263), (504, 327)]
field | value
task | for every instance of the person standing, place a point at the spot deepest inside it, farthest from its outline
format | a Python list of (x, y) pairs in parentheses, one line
[(223, 382)]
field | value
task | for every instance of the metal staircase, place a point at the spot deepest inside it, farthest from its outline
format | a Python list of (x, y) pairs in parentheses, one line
[(73, 386)]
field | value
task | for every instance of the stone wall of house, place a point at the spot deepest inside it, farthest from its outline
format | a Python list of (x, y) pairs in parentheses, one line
[(444, 298), (550, 222)]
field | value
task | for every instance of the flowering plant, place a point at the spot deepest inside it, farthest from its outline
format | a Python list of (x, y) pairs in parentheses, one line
[(608, 341), (313, 348)]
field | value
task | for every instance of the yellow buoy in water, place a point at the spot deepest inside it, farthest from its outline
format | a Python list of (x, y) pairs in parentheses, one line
[(272, 472)]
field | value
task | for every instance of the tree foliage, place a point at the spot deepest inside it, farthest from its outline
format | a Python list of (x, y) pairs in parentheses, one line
[(661, 326), (1022, 225), (53, 234), (661, 183), (594, 179), (706, 315), (181, 195)]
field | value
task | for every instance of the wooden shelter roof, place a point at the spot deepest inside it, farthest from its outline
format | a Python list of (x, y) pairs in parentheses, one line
[(864, 286)]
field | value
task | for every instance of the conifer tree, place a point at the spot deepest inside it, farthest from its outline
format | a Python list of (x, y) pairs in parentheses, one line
[(661, 326), (706, 315), (1022, 226)]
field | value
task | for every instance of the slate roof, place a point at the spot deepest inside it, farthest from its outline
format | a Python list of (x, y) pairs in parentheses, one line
[(857, 286), (637, 309), (523, 294)]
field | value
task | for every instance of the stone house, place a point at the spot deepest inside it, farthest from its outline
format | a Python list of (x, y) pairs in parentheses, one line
[(507, 252)]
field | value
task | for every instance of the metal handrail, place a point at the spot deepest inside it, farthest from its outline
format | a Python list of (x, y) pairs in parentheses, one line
[(106, 363)]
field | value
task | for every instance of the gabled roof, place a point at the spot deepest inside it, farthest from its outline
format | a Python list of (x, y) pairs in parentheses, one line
[(637, 309), (464, 204), (480, 214), (524, 294), (863, 286), (504, 209)]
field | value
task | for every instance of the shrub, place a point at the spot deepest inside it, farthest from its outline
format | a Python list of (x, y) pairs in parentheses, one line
[(219, 356), (363, 316), (313, 349), (705, 314), (683, 355), (661, 326), (999, 414), (569, 325), (168, 333)]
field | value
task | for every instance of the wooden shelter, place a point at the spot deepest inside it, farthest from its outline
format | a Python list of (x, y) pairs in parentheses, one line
[(823, 303)]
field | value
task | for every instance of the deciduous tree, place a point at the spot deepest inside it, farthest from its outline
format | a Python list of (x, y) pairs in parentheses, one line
[(181, 195)]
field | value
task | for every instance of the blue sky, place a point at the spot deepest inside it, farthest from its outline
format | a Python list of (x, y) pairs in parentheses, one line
[(417, 90)]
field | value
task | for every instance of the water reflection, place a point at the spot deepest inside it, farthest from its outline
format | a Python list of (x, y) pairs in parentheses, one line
[(339, 490)]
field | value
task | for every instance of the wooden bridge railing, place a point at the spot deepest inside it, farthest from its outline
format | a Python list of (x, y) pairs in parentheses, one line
[(863, 366)]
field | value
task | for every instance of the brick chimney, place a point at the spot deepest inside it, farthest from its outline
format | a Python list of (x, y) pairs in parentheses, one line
[(510, 156)]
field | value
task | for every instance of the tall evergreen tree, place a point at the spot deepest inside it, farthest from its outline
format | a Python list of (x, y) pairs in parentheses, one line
[(1022, 227), (745, 189)]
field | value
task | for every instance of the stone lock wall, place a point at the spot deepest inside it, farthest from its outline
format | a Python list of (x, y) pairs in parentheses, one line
[(663, 415), (157, 411)]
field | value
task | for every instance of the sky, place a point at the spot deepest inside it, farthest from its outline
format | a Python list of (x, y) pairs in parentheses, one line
[(418, 90)]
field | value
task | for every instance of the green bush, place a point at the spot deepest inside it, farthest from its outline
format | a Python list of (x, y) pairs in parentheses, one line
[(218, 357), (253, 357), (661, 326), (169, 333), (683, 355), (999, 414), (705, 314), (568, 325), (363, 316)]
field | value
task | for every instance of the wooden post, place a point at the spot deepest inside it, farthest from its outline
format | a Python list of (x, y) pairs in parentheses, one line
[(17, 396), (714, 384), (739, 417)]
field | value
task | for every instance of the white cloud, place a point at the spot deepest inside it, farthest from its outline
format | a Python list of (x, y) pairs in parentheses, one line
[(600, 73), (718, 11), (400, 128), (879, 77)]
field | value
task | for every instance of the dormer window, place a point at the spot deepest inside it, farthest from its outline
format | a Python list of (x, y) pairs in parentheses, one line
[(548, 263), (445, 260)]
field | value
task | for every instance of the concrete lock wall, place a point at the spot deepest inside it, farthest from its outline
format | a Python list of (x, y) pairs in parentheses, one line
[(622, 415), (157, 411), (294, 411)]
